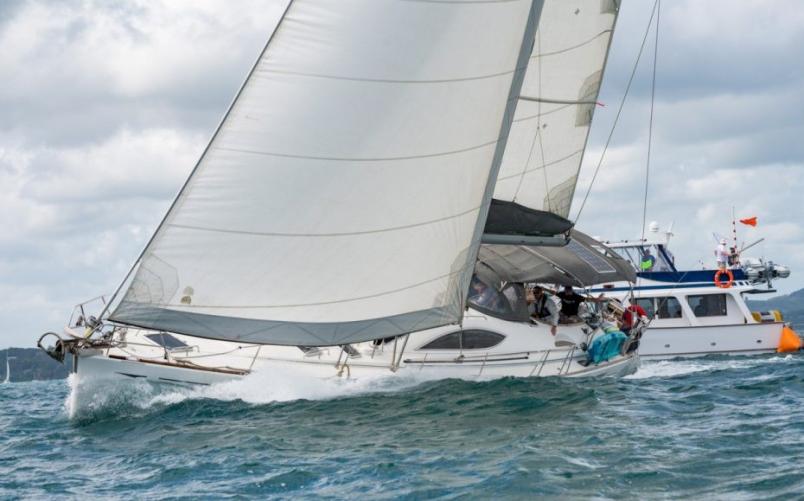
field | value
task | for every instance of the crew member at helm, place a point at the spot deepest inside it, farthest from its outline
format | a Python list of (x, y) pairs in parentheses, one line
[(648, 260)]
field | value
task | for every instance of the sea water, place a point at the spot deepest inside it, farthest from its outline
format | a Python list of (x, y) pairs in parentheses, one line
[(727, 428)]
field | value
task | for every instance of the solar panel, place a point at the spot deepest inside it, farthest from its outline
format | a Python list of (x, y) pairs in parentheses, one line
[(591, 258), (165, 340)]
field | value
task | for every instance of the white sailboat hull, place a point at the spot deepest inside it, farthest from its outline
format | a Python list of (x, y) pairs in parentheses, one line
[(98, 367), (527, 350)]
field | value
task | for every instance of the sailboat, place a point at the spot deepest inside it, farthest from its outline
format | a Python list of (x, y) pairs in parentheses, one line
[(8, 369), (382, 163)]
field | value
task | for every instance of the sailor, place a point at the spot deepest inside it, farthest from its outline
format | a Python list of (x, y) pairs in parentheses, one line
[(722, 255), (544, 307), (632, 316), (648, 260), (571, 301), (734, 257)]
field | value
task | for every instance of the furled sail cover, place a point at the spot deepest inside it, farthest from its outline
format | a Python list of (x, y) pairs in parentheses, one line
[(582, 262), (552, 120), (341, 198)]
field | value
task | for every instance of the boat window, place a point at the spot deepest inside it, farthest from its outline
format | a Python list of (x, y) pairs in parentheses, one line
[(660, 307), (508, 303), (709, 305), (451, 341), (475, 340), (166, 340), (625, 254), (468, 340), (669, 307), (647, 304)]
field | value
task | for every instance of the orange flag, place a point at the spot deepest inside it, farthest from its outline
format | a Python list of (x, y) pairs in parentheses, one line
[(751, 221)]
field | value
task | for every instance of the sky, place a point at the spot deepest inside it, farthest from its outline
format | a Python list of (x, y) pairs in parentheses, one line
[(106, 105)]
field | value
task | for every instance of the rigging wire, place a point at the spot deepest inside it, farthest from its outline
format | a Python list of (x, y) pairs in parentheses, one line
[(650, 121), (619, 112)]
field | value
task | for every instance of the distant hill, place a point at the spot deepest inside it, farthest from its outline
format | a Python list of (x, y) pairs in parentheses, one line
[(28, 364), (791, 306)]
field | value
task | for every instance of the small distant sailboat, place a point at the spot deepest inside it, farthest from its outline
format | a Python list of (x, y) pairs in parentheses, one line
[(383, 163), (8, 369)]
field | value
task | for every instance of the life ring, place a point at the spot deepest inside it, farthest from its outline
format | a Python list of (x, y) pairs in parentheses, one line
[(720, 283)]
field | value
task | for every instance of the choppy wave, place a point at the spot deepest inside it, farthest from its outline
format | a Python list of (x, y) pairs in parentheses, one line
[(107, 398), (725, 428)]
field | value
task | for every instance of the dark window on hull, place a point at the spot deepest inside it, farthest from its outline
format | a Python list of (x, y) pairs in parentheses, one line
[(467, 340)]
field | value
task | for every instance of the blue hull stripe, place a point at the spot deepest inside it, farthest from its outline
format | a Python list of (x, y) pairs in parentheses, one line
[(688, 276), (654, 287)]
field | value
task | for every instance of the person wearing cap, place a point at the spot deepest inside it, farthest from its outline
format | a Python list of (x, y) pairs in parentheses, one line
[(722, 255), (543, 307), (571, 301)]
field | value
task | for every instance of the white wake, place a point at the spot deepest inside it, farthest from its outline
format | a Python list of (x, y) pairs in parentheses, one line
[(89, 398), (673, 368)]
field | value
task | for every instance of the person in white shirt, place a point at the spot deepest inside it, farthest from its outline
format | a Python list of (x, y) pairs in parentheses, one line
[(722, 255)]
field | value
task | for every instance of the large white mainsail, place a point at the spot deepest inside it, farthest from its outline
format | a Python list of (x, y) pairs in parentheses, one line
[(343, 195), (552, 121)]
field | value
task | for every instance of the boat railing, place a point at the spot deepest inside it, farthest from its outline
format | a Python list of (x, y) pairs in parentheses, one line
[(191, 352), (481, 358), (82, 312)]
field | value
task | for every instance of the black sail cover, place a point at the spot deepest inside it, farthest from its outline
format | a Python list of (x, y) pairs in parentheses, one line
[(510, 218)]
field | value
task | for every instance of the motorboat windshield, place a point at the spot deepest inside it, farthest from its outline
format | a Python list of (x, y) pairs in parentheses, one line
[(647, 258)]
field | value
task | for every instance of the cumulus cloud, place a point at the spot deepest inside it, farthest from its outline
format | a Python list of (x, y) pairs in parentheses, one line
[(104, 109)]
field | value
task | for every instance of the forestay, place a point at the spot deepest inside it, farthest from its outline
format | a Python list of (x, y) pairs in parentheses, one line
[(343, 196), (553, 117)]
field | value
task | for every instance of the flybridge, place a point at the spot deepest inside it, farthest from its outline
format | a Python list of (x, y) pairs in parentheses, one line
[(649, 254)]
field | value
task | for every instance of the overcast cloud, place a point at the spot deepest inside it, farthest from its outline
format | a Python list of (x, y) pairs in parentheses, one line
[(106, 105)]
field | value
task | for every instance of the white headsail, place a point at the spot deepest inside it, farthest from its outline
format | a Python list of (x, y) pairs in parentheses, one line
[(558, 99), (343, 195)]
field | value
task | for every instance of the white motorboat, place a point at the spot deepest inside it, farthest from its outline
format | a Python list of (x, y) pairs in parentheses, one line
[(700, 312), (379, 155)]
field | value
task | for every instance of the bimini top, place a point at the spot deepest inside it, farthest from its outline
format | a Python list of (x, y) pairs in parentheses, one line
[(582, 262)]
